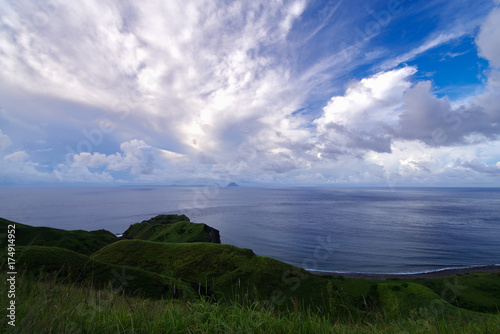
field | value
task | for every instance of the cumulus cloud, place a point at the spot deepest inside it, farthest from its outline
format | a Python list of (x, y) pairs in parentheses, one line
[(489, 48), (434, 121), (18, 167), (387, 106), (360, 119), (136, 156), (17, 162), (487, 39), (137, 161), (377, 112), (369, 102), (79, 173)]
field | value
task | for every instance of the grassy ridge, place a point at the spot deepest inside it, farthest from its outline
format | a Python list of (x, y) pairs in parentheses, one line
[(172, 228), (224, 269), (79, 241), (72, 267)]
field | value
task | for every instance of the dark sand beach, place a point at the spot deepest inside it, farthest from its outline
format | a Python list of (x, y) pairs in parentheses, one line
[(430, 274)]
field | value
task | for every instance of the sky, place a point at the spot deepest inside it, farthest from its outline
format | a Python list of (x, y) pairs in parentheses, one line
[(262, 93)]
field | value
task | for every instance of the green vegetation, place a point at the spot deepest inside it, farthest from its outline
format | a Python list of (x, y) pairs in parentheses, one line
[(478, 292), (145, 286), (79, 241), (47, 306), (220, 270), (410, 299), (69, 266), (172, 228)]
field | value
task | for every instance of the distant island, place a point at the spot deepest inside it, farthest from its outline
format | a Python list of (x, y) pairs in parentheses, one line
[(233, 184)]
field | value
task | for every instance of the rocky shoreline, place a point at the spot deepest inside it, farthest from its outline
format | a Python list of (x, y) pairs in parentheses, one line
[(431, 274)]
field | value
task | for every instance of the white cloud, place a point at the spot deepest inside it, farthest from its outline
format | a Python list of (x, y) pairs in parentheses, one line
[(489, 47), (4, 141), (360, 118), (79, 173), (436, 122), (62, 51), (482, 167), (369, 102), (378, 111), (92, 160), (415, 162), (433, 42), (293, 11), (222, 88), (214, 62), (18, 167), (17, 157), (137, 157), (194, 70), (487, 39)]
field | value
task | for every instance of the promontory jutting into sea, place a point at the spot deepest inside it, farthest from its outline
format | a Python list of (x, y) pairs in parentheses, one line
[(370, 230)]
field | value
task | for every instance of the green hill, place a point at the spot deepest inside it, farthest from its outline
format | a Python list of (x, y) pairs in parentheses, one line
[(72, 267), (223, 270), (172, 228), (79, 241), (398, 299)]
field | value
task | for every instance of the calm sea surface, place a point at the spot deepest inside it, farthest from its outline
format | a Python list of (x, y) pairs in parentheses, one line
[(371, 230)]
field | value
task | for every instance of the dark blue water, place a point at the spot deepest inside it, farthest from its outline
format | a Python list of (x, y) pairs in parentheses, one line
[(374, 230)]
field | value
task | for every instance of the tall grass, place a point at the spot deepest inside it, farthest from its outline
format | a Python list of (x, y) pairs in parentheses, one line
[(45, 305)]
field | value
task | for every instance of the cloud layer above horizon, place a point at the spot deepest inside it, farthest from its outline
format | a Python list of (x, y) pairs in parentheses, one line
[(262, 93)]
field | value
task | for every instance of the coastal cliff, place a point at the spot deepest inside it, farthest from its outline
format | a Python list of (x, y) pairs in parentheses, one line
[(172, 229)]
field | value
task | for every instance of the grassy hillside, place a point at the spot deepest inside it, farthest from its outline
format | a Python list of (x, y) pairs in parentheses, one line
[(59, 290), (79, 241), (224, 271), (72, 267), (172, 228), (397, 299), (50, 307), (476, 292)]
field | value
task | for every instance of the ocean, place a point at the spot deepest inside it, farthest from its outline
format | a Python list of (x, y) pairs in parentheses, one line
[(363, 230)]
